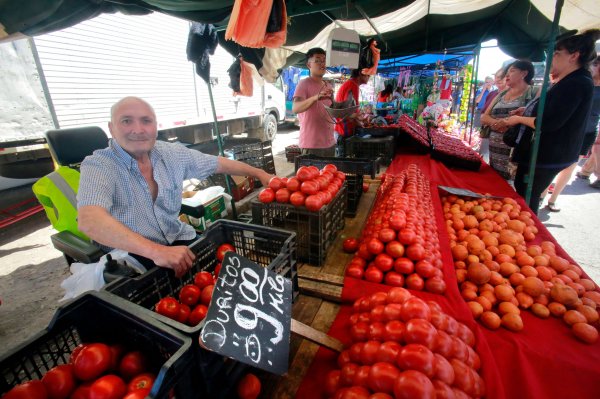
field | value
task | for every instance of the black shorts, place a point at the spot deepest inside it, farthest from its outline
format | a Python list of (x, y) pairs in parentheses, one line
[(588, 141)]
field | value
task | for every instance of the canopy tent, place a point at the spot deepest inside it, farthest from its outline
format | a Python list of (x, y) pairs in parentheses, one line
[(403, 27), (426, 64)]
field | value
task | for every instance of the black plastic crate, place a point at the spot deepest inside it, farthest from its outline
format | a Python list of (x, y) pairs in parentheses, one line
[(315, 231), (377, 131), (100, 317), (250, 151), (354, 168), (271, 248), (370, 148)]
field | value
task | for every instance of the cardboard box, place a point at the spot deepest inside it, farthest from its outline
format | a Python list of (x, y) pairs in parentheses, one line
[(213, 210), (244, 185)]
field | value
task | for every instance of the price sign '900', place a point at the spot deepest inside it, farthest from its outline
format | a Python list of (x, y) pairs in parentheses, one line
[(249, 315)]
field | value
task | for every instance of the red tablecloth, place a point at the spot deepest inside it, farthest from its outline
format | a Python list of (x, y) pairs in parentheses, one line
[(542, 361)]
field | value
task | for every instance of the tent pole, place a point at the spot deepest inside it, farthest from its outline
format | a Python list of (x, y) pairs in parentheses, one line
[(540, 111), (474, 83), (220, 145)]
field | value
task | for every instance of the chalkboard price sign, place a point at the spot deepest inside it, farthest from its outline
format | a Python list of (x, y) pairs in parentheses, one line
[(249, 315)]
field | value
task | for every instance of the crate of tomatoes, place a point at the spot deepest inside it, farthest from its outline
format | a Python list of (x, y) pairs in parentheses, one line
[(101, 346), (311, 203), (354, 168)]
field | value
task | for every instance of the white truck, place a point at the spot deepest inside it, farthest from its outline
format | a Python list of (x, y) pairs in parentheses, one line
[(71, 77)]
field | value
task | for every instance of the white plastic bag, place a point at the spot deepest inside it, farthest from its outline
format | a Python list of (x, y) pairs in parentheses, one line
[(89, 276)]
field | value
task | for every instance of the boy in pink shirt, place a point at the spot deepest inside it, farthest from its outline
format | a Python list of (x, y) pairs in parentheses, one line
[(310, 97)]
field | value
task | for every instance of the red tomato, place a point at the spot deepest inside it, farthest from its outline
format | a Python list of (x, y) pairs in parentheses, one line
[(354, 392), (293, 184), (382, 377), (309, 187), (355, 351), (169, 307), (381, 395), (415, 308), (397, 222), (303, 173), (413, 384), (368, 354), (355, 272), (206, 295), (139, 394), (443, 344), (343, 358), (248, 387), (184, 313), (415, 282), (350, 245), (375, 246), (384, 262), (435, 285), (108, 387), (275, 183), (419, 331), (297, 198), (34, 389), (373, 274), (313, 203), (359, 331), (76, 352), (322, 182), (398, 295), (394, 249), (266, 195), (82, 391), (93, 361), (361, 378), (222, 249), (189, 294), (332, 382), (116, 352), (59, 381), (330, 168), (282, 195), (442, 369), (404, 265), (216, 272), (394, 330), (415, 252), (416, 357), (314, 171), (394, 279), (202, 279), (132, 364), (142, 381), (392, 311), (407, 236), (388, 352), (463, 378), (197, 315), (386, 235), (348, 374), (365, 187)]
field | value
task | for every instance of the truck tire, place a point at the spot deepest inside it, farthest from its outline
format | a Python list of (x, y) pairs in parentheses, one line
[(270, 127)]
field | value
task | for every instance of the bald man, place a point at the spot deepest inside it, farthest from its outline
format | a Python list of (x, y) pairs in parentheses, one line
[(130, 192)]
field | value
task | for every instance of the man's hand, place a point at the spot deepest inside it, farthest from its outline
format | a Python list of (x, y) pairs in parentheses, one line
[(179, 258), (264, 177)]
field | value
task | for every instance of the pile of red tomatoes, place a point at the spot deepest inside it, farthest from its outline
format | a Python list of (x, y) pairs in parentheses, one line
[(94, 371), (192, 306), (404, 347), (311, 188), (399, 245)]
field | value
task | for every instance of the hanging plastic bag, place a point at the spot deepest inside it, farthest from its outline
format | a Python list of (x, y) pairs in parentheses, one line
[(253, 23)]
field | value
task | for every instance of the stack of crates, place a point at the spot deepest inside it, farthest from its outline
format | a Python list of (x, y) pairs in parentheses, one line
[(274, 249), (354, 168), (291, 152), (315, 231), (100, 317), (370, 148)]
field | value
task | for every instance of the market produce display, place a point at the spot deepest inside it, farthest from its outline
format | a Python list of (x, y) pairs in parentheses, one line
[(95, 371), (501, 271), (416, 131), (399, 244), (310, 188), (194, 298), (453, 152), (404, 347)]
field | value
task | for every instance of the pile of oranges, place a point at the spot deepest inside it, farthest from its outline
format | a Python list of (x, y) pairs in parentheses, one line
[(501, 272)]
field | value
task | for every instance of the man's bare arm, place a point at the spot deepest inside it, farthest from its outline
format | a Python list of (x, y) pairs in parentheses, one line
[(299, 106), (100, 226)]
